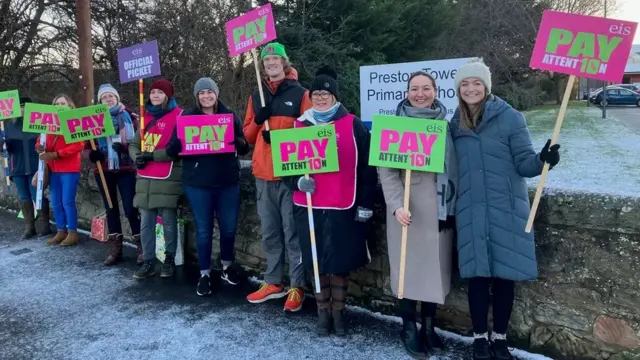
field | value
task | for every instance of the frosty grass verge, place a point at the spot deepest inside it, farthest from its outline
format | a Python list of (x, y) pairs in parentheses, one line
[(596, 155)]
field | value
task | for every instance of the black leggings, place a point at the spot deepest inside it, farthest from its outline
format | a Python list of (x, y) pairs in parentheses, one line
[(480, 298), (408, 309)]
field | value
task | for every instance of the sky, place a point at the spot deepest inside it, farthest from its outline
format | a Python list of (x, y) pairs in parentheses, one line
[(630, 10)]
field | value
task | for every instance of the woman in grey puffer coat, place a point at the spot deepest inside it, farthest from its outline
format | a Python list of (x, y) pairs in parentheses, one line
[(495, 156)]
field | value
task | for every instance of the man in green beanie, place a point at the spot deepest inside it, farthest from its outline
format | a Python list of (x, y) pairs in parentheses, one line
[(285, 100)]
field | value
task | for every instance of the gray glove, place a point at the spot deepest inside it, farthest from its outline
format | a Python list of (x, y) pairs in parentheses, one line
[(363, 214), (307, 185)]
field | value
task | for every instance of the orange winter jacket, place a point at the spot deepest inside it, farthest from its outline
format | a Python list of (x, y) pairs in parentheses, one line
[(288, 101), (68, 154)]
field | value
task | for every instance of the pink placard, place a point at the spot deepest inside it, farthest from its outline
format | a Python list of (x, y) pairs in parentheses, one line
[(251, 30), (206, 134), (584, 46)]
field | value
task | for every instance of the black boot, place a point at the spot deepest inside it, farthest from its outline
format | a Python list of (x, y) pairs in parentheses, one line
[(168, 267), (43, 228), (429, 338), (499, 347), (411, 340), (481, 349), (339, 322), (147, 269), (324, 322)]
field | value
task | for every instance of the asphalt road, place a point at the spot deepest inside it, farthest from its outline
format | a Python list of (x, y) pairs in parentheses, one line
[(63, 304), (628, 115)]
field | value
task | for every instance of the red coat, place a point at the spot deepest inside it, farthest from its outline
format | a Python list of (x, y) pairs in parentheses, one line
[(68, 154)]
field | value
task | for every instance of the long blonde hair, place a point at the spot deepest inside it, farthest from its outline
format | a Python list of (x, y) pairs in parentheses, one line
[(66, 97)]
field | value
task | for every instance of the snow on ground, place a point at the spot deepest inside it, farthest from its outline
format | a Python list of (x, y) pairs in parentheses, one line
[(63, 304), (596, 155)]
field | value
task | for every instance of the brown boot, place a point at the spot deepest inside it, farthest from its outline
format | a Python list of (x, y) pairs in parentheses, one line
[(115, 253), (339, 288), (29, 220), (43, 228), (136, 241), (71, 239), (58, 238)]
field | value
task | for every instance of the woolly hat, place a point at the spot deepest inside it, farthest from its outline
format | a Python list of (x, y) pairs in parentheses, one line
[(163, 85), (107, 88), (325, 80), (274, 48), (205, 83), (474, 68)]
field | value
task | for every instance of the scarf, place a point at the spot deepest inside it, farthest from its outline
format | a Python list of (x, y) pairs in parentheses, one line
[(326, 115), (125, 132), (447, 181), (158, 111)]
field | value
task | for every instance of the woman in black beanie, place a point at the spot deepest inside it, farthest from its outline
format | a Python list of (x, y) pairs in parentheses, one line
[(342, 202)]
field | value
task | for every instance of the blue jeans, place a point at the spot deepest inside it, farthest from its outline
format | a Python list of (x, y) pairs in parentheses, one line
[(223, 203), (63, 188), (25, 190)]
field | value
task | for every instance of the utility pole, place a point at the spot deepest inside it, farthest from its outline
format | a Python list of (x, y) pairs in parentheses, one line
[(85, 56), (604, 88)]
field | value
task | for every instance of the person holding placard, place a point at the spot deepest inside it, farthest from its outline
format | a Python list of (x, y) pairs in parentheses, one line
[(284, 101), (495, 155), (119, 173), (212, 185), (431, 222), (158, 188), (342, 202), (63, 161), (23, 164)]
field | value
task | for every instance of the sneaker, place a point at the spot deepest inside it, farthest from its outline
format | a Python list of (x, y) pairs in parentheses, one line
[(481, 350), (500, 350), (204, 285), (295, 297), (230, 275), (168, 267), (266, 292), (147, 269)]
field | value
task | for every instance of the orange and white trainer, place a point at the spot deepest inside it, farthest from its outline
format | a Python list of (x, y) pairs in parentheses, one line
[(266, 292), (295, 297)]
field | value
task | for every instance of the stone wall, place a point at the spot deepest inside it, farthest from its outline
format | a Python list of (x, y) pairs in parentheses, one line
[(585, 305)]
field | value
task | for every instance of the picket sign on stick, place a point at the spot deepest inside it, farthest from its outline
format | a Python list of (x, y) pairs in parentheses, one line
[(312, 234), (6, 158), (405, 231), (554, 140), (101, 173), (578, 45), (255, 62), (41, 165)]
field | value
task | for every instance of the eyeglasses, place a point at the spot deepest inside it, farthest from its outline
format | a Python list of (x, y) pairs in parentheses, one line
[(320, 95)]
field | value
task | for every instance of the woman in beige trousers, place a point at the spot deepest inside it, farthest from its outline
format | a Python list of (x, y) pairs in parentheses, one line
[(430, 224)]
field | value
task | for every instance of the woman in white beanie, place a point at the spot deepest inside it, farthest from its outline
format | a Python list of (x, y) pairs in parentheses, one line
[(495, 156)]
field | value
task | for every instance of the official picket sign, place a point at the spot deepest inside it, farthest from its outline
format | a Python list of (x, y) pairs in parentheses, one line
[(139, 61), (382, 87)]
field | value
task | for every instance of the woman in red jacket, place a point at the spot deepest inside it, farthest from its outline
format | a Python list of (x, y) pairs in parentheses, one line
[(63, 161)]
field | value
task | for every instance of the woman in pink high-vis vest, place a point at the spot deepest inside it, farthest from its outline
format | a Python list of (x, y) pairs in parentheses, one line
[(342, 202)]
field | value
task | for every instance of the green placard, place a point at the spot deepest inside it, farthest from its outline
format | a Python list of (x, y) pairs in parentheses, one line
[(86, 123), (9, 105), (307, 150), (42, 119), (408, 143)]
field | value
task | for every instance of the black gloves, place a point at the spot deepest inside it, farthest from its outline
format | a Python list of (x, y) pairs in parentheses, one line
[(143, 158), (550, 154), (263, 115), (96, 156), (117, 147), (266, 136), (238, 143), (174, 147)]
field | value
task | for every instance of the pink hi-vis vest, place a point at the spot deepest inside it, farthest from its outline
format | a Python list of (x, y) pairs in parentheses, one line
[(335, 190), (157, 138)]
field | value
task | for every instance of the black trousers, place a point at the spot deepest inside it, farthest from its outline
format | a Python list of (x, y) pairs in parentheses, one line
[(408, 309), (480, 291)]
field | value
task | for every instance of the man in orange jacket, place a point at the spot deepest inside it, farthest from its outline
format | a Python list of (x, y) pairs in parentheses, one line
[(285, 100)]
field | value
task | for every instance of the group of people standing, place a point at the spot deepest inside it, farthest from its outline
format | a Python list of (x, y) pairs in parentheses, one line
[(480, 199)]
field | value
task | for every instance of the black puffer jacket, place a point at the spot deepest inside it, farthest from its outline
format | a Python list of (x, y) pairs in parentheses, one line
[(21, 146)]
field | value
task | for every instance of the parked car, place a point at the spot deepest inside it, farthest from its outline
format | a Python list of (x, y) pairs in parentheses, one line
[(633, 87), (616, 96)]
